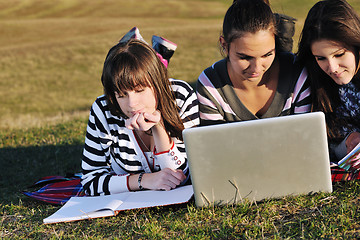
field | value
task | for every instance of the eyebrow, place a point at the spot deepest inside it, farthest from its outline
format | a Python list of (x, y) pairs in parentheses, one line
[(333, 53), (243, 54)]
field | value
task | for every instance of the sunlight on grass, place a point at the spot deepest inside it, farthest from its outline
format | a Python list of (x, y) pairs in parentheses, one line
[(51, 60), (53, 51)]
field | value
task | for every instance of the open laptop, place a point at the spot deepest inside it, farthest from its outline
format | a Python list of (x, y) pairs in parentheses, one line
[(259, 159)]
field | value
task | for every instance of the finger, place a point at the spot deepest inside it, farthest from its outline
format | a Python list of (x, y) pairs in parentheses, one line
[(143, 125), (128, 124), (170, 184), (133, 121), (154, 117), (176, 178), (165, 188), (167, 180), (140, 120), (178, 173)]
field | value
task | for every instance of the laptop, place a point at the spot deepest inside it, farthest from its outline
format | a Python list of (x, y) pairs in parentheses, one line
[(259, 159)]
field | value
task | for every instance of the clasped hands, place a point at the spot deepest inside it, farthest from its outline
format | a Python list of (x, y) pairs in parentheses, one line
[(165, 179), (143, 121)]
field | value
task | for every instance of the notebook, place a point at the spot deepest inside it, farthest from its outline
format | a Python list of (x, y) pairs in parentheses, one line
[(259, 159)]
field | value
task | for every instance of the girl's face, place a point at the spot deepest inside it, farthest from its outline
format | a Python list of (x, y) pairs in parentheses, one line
[(335, 60), (250, 55), (140, 100)]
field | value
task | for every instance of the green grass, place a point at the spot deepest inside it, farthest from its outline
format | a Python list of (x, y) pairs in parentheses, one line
[(56, 149), (52, 51), (51, 58)]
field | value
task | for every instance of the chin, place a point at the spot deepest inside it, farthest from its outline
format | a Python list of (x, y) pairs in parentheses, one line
[(342, 81)]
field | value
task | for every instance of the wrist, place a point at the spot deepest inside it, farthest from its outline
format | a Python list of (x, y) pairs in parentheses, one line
[(159, 126)]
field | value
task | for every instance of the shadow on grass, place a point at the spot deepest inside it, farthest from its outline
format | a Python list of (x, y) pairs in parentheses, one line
[(22, 166)]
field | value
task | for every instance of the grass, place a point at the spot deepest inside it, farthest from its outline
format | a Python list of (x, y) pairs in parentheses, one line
[(52, 53), (51, 58), (56, 149)]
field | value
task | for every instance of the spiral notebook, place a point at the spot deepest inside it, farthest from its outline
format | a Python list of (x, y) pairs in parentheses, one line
[(259, 159)]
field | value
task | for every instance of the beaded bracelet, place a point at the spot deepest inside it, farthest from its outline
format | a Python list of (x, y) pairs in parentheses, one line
[(139, 180)]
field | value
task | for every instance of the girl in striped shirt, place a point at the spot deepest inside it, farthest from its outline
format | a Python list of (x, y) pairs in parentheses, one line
[(329, 48), (255, 80), (134, 134)]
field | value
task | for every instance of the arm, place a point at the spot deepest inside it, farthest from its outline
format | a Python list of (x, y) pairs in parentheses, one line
[(349, 142), (165, 179), (301, 102), (169, 159), (153, 122), (175, 156), (98, 177), (352, 140), (210, 110)]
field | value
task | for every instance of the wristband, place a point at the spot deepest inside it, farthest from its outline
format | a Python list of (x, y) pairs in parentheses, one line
[(139, 180)]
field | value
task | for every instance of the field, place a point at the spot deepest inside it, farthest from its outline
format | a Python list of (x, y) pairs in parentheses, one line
[(51, 60)]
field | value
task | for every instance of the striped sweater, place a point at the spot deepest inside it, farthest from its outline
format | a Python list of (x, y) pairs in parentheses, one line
[(218, 102), (112, 153)]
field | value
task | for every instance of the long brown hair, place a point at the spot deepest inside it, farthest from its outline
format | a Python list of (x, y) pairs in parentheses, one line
[(134, 64), (333, 20)]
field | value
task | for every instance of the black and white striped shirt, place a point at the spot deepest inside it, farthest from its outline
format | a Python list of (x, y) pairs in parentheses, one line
[(111, 152)]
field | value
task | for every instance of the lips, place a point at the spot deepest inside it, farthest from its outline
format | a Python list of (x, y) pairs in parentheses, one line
[(337, 75), (135, 112), (253, 75)]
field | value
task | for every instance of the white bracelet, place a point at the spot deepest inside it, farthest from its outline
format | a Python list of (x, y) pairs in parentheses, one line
[(139, 180)]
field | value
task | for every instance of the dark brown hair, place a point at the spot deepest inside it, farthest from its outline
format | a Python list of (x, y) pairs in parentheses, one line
[(247, 16), (134, 64), (333, 20)]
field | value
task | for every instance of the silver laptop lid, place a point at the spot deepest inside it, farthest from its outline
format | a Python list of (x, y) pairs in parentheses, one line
[(265, 158)]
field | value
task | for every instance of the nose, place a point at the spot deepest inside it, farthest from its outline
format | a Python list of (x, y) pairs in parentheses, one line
[(255, 66), (132, 99), (333, 66)]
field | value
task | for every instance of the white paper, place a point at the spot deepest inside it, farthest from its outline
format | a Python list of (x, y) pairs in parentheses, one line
[(79, 208)]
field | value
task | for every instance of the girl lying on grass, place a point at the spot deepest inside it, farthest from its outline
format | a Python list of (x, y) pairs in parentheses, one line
[(134, 133), (329, 48), (256, 79)]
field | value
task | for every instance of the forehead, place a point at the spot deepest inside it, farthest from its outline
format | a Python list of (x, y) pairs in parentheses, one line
[(325, 47), (254, 44)]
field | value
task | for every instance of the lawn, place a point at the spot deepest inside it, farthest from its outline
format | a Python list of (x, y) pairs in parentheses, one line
[(51, 59)]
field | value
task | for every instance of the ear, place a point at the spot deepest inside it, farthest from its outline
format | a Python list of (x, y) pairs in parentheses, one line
[(223, 44)]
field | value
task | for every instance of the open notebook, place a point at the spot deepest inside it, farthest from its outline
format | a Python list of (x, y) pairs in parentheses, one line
[(80, 208), (265, 158)]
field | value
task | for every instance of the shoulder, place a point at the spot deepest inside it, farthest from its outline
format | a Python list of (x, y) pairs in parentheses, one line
[(101, 109), (101, 100), (180, 86), (216, 75), (100, 103), (218, 67)]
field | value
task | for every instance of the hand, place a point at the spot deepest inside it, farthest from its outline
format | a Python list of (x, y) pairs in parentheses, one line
[(143, 121), (165, 179), (352, 140)]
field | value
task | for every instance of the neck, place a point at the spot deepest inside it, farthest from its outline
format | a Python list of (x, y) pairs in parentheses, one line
[(144, 140)]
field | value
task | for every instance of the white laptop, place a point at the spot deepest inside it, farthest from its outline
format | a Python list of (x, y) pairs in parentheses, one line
[(259, 159)]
